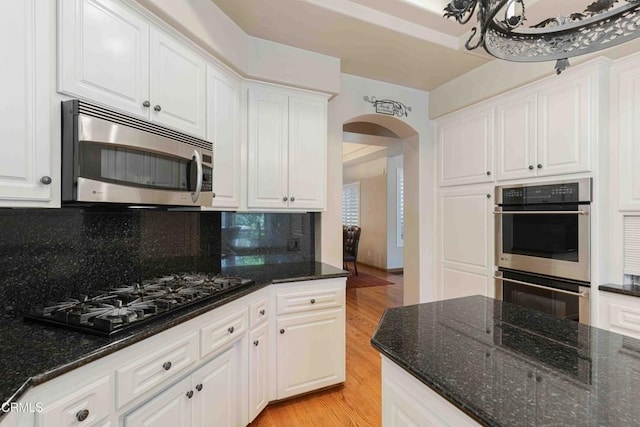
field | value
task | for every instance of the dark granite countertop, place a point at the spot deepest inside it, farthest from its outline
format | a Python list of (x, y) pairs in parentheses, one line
[(631, 290), (32, 353), (505, 365)]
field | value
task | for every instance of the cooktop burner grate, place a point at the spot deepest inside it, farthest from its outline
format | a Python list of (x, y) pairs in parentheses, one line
[(120, 308)]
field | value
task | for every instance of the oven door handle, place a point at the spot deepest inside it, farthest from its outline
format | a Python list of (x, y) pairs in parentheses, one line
[(562, 291), (539, 212)]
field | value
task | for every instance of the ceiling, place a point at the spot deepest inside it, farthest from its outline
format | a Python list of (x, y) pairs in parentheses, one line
[(406, 42)]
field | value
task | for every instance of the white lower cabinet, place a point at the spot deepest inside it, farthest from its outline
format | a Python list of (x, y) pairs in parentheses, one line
[(172, 408), (259, 369), (620, 314), (310, 336)]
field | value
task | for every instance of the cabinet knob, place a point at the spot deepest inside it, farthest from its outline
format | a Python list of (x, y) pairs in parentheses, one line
[(488, 173), (166, 366), (313, 300), (46, 180), (262, 312), (530, 167), (293, 199), (282, 331), (285, 198), (82, 415), (256, 342), (213, 195), (231, 329), (146, 104), (190, 394), (488, 196), (199, 387), (539, 165), (157, 108)]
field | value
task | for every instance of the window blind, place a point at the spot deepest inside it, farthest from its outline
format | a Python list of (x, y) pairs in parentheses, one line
[(351, 204), (400, 207), (632, 245)]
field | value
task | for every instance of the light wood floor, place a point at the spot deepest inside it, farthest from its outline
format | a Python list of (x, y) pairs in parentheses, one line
[(357, 402)]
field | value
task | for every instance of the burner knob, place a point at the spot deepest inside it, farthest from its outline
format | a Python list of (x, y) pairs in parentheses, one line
[(231, 330), (82, 415), (262, 312), (190, 394), (166, 366), (199, 387), (313, 300)]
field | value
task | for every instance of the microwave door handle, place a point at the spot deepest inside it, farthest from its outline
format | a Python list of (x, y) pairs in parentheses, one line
[(196, 194), (539, 212), (562, 291)]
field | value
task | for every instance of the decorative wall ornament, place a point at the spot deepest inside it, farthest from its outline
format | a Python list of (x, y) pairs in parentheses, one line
[(602, 24), (389, 107)]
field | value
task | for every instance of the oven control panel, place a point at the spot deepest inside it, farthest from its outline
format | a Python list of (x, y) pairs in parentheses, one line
[(538, 194)]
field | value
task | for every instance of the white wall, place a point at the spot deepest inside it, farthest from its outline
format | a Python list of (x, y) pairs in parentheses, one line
[(206, 25), (394, 253), (417, 131), (499, 76)]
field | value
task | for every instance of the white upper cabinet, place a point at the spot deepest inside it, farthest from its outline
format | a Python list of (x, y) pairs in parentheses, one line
[(565, 115), (548, 128), (516, 137), (28, 152), (110, 54), (223, 129), (465, 143), (104, 54), (178, 78), (287, 143), (627, 103)]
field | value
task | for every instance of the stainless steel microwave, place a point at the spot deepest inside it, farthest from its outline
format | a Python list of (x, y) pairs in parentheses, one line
[(545, 229), (111, 157)]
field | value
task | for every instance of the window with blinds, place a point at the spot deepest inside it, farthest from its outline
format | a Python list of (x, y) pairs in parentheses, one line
[(400, 208), (351, 204), (632, 245)]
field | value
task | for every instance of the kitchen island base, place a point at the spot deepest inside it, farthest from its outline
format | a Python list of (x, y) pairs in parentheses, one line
[(408, 402)]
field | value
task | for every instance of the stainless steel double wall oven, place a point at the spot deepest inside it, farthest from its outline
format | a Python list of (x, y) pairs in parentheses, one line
[(543, 237)]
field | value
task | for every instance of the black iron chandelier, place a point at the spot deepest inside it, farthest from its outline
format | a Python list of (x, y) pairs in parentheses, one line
[(503, 34)]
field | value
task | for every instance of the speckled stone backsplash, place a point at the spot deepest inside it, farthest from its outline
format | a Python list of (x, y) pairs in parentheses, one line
[(46, 255)]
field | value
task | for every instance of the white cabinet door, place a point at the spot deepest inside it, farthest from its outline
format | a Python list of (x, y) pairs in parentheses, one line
[(104, 54), (258, 370), (223, 129), (564, 125), (310, 351), (516, 137), (27, 149), (307, 152), (627, 93), (172, 408), (465, 142), (268, 149), (217, 388), (465, 230), (177, 84)]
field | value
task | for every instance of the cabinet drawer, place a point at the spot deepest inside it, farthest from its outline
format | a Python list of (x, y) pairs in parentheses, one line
[(622, 315), (258, 312), (88, 406), (216, 335), (295, 302), (145, 373)]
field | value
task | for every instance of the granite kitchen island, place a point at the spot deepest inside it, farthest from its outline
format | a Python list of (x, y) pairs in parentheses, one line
[(476, 360)]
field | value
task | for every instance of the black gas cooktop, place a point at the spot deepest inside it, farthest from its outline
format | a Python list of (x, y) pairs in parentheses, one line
[(120, 308)]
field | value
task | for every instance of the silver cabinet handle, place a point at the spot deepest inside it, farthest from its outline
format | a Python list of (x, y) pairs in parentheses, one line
[(540, 212), (530, 167), (231, 329), (213, 195), (262, 312), (199, 387), (539, 165), (533, 285), (285, 198), (157, 108), (166, 366), (190, 394), (46, 180), (256, 342), (313, 300), (293, 199), (146, 104), (488, 173)]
